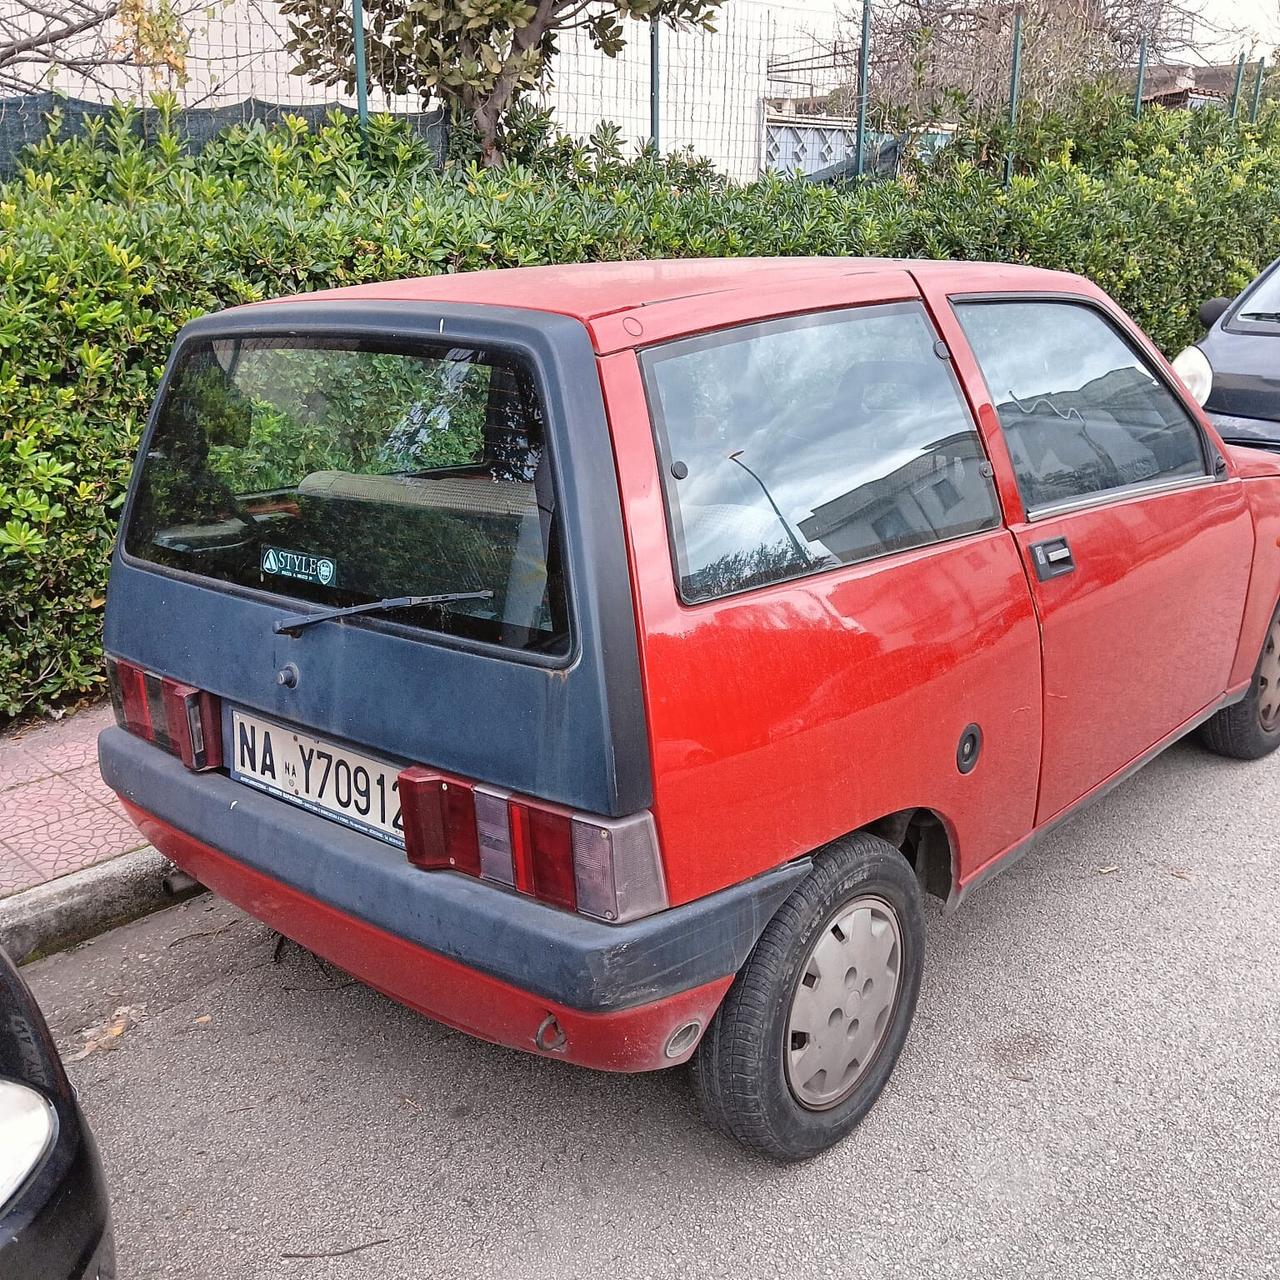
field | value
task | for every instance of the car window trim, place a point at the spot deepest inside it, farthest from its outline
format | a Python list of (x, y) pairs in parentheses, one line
[(712, 337), (827, 570), (1208, 451), (1088, 501)]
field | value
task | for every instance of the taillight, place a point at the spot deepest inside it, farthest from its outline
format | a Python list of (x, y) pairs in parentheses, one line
[(603, 867), (129, 697), (178, 717), (616, 868), (194, 725), (546, 839), (439, 819)]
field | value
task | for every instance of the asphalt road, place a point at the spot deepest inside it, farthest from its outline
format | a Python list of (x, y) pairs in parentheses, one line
[(1092, 1088)]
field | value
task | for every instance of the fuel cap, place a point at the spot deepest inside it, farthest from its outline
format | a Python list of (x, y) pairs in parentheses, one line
[(969, 749)]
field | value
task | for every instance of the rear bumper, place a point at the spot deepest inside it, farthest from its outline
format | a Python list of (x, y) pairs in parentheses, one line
[(479, 958), (452, 993)]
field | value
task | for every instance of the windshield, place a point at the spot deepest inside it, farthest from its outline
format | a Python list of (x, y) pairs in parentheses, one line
[(342, 472)]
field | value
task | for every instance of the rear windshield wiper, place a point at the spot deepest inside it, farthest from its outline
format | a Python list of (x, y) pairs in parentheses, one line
[(294, 622), (1272, 316)]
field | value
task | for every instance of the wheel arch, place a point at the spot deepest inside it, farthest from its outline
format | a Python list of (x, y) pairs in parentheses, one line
[(924, 837)]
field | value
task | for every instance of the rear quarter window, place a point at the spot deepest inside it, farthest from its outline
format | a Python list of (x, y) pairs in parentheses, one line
[(799, 445)]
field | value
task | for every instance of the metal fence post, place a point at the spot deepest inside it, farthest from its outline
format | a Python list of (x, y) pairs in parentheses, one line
[(1142, 79), (1235, 93), (860, 145), (655, 76), (1257, 91), (362, 88), (1014, 78)]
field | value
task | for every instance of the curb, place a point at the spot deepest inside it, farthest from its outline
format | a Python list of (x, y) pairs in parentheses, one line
[(56, 915)]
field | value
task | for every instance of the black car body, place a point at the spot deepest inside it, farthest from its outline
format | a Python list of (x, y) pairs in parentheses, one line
[(1243, 349), (56, 1224)]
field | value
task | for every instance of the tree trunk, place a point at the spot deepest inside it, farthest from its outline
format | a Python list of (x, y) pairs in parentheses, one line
[(485, 118), (487, 114)]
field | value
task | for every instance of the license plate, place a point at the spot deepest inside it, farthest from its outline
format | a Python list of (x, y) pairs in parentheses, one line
[(330, 780)]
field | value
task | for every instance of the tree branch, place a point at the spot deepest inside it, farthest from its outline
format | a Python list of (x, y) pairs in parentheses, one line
[(53, 36)]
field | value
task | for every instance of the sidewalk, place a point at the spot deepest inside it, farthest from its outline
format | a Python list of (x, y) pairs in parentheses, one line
[(56, 815)]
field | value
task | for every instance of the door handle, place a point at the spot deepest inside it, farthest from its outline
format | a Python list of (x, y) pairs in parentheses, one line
[(1052, 558)]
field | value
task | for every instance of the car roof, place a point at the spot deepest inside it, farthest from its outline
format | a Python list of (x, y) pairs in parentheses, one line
[(625, 305), (589, 290)]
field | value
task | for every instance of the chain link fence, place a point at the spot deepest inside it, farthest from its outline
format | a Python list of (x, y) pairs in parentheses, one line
[(707, 93), (224, 64), (776, 87), (703, 92)]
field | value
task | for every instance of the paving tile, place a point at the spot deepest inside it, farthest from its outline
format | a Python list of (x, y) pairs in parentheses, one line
[(89, 780), (69, 756), (37, 804), (120, 834), (15, 873), (70, 743), (79, 724), (65, 754), (17, 766), (72, 843)]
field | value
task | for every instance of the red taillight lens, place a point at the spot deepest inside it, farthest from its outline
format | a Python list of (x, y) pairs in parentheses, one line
[(604, 867), (175, 716), (545, 837), (191, 716), (439, 819), (129, 697)]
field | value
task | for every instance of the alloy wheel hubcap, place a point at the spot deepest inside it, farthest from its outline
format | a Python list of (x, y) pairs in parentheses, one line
[(1269, 680), (843, 1003)]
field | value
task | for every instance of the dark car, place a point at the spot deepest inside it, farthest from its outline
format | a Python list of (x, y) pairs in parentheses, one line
[(1234, 370), (54, 1220)]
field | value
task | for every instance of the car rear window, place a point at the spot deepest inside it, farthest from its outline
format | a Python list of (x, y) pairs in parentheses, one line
[(797, 445), (342, 471)]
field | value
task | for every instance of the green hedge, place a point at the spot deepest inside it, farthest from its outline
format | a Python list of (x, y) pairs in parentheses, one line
[(108, 246)]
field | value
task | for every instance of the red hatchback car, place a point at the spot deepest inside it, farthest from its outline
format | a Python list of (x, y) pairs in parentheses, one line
[(606, 660)]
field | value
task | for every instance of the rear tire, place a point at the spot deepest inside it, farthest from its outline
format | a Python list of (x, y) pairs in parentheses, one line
[(816, 1019), (1250, 729)]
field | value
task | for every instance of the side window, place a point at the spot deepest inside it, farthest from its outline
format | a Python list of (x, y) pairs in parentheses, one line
[(795, 445), (1082, 411)]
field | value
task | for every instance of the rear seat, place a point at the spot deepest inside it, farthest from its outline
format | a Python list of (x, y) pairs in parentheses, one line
[(467, 495)]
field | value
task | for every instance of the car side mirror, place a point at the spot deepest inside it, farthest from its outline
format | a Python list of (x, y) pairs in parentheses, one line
[(1212, 311)]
